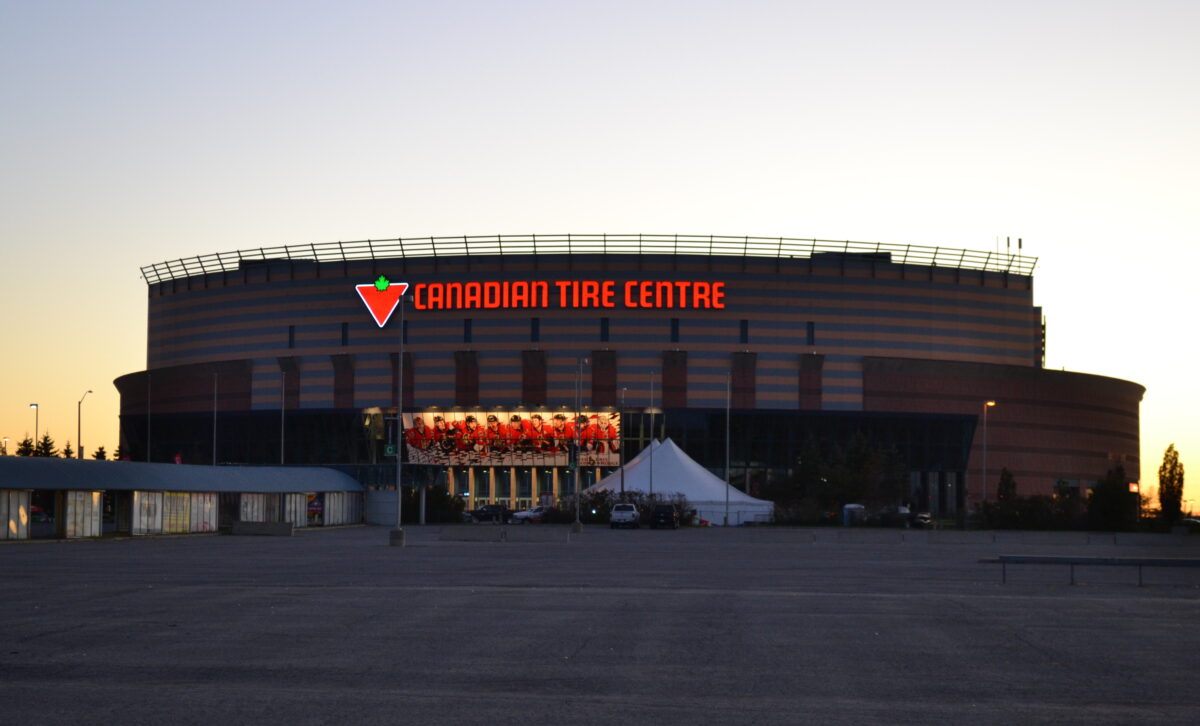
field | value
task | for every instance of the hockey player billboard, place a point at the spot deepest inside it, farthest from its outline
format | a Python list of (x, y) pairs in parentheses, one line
[(512, 438)]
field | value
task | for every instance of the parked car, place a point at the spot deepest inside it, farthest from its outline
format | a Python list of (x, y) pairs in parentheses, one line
[(491, 513), (664, 515), (530, 516), (922, 520), (623, 515), (891, 517)]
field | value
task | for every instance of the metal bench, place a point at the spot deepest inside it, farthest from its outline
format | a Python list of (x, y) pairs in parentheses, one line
[(1139, 562)]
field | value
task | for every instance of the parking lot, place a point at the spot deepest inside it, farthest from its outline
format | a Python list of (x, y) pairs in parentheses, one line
[(689, 626)]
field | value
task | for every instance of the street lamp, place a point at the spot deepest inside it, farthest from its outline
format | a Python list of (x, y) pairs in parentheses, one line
[(214, 445), (577, 525), (652, 410), (282, 411), (621, 435), (396, 536), (983, 471), (79, 424), (36, 414), (6, 446), (728, 399)]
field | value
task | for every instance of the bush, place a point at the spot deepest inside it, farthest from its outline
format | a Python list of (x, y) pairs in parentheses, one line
[(806, 512)]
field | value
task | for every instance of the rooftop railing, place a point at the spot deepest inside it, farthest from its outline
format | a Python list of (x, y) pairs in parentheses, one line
[(574, 244)]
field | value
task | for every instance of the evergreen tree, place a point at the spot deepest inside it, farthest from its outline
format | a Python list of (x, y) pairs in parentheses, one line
[(1007, 488), (99, 454), (68, 452), (119, 455), (25, 448), (1170, 485), (45, 447)]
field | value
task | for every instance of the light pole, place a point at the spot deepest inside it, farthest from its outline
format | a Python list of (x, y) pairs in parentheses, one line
[(282, 409), (79, 425), (621, 436), (214, 452), (653, 437), (148, 420), (36, 414), (728, 398), (396, 536), (6, 446), (983, 471), (577, 525)]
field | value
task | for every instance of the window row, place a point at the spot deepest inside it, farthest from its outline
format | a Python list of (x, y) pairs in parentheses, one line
[(535, 332)]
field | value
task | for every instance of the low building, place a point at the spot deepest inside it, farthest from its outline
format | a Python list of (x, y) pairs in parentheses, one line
[(69, 498)]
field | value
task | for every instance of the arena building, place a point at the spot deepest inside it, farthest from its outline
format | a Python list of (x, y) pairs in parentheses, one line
[(302, 355)]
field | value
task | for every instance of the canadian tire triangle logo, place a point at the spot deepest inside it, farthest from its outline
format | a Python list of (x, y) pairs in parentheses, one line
[(382, 297)]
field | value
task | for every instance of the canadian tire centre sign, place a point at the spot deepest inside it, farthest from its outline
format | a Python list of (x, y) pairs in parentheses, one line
[(383, 296)]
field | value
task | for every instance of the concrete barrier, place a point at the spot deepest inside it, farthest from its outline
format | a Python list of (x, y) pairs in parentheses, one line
[(270, 529)]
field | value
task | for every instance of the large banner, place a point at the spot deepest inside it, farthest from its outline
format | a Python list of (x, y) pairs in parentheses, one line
[(514, 438)]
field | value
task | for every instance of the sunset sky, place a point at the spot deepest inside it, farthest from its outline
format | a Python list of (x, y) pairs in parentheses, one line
[(137, 132)]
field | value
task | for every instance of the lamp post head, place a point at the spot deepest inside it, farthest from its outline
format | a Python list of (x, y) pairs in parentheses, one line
[(33, 405), (990, 404)]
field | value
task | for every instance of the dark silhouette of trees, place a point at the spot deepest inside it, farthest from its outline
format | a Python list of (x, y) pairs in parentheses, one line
[(45, 447), (68, 452), (1112, 507), (1007, 488), (25, 447), (100, 454), (1170, 485)]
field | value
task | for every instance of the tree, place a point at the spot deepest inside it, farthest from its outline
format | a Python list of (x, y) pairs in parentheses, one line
[(1112, 506), (68, 452), (1170, 485), (1007, 488), (45, 447), (99, 454), (25, 448)]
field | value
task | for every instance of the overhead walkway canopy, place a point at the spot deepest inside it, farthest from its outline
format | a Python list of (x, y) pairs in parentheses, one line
[(28, 472)]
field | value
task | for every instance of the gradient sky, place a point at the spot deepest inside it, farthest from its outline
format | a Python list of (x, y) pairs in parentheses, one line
[(137, 132)]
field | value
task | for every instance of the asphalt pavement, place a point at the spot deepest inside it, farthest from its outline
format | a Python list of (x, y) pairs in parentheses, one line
[(759, 625)]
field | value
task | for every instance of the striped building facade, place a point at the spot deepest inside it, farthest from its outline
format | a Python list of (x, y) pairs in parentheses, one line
[(846, 333)]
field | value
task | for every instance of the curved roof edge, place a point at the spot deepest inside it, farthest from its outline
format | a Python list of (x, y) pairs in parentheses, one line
[(970, 368), (22, 472), (602, 243)]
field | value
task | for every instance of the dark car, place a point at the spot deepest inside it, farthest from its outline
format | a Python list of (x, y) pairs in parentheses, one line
[(491, 513), (664, 515), (891, 517)]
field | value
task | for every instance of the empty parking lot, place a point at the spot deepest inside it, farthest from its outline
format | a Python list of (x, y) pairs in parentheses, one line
[(708, 626)]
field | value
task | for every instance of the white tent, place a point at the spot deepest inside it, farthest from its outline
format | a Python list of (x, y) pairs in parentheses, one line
[(663, 469)]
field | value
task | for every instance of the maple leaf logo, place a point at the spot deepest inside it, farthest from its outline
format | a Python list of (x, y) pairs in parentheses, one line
[(381, 297)]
